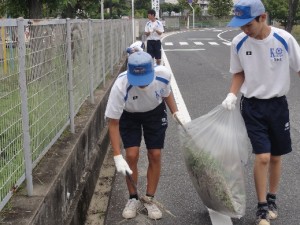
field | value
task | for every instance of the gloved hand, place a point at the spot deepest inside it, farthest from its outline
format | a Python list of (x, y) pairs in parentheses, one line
[(122, 165), (229, 102), (179, 118)]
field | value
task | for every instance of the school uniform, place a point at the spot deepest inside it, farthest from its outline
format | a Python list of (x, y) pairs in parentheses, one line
[(263, 105), (142, 111)]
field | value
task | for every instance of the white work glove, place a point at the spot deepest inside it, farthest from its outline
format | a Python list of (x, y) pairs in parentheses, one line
[(122, 165), (229, 102), (179, 118)]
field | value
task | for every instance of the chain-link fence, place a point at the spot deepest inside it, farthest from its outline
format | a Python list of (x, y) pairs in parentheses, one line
[(48, 68)]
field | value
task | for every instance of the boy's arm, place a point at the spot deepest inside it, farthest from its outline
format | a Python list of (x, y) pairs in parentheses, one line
[(237, 82), (114, 135), (171, 103)]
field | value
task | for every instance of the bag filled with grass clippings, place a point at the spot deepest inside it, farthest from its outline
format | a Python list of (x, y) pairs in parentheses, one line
[(216, 148)]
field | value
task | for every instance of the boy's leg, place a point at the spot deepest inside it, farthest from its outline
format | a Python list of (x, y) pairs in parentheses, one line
[(132, 157), (275, 173), (261, 168), (153, 174), (133, 204), (274, 179), (154, 168)]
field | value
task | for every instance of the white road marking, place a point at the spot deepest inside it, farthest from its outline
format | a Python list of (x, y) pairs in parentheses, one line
[(227, 43), (176, 92), (198, 43), (183, 43), (168, 43), (213, 43)]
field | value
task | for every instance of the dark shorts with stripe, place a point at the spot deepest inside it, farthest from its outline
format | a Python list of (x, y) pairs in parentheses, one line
[(154, 48), (152, 125), (268, 125)]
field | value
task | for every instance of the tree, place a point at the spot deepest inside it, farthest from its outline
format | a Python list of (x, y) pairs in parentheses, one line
[(33, 9), (277, 10), (220, 8), (293, 6), (169, 8), (283, 12), (183, 4)]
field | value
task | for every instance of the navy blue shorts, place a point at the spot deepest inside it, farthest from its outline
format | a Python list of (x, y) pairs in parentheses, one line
[(154, 48), (151, 124), (268, 124)]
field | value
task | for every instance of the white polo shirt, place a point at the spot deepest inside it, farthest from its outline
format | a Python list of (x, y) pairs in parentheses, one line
[(150, 26), (266, 63), (137, 45), (124, 96)]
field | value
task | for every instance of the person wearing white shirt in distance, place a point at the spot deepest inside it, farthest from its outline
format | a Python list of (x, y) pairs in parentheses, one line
[(153, 30)]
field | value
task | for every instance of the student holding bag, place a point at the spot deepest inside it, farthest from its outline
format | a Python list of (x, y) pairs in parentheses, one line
[(261, 58)]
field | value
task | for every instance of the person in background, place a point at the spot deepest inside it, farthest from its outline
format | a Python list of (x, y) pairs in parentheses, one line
[(137, 46), (137, 107), (153, 30), (261, 58)]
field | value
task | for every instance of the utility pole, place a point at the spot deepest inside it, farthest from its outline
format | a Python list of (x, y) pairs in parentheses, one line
[(132, 20)]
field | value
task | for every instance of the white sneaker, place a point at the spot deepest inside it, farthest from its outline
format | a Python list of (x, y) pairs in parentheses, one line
[(131, 208), (153, 211)]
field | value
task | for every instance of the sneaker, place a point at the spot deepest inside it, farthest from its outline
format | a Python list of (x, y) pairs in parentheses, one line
[(131, 208), (153, 211), (273, 212), (262, 216)]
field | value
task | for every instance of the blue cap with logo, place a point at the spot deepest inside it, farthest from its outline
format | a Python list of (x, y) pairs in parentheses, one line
[(245, 11), (140, 70)]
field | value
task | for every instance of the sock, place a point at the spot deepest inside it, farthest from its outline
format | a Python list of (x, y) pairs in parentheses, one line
[(134, 196), (262, 205), (271, 197), (150, 196)]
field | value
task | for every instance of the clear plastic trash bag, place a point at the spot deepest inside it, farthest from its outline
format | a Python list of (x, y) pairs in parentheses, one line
[(216, 149)]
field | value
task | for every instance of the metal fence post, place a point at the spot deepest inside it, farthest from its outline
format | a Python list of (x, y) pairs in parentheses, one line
[(111, 48), (91, 61), (103, 52), (24, 106), (70, 77)]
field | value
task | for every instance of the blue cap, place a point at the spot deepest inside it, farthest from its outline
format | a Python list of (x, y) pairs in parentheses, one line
[(245, 11), (140, 70), (129, 50)]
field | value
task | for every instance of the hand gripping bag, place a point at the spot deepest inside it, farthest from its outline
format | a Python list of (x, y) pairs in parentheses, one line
[(216, 149)]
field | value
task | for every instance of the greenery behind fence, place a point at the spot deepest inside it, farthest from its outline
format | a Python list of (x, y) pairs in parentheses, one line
[(94, 49)]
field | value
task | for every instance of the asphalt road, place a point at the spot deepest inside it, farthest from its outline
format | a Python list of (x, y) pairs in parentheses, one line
[(200, 63)]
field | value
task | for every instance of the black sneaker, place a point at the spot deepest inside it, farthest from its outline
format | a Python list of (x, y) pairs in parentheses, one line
[(273, 212), (262, 216)]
